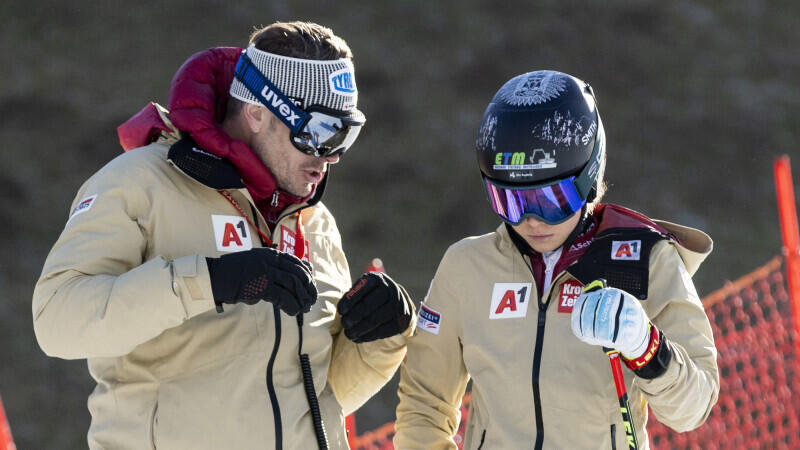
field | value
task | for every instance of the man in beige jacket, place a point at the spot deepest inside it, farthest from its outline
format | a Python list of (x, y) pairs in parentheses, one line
[(200, 275), (507, 309)]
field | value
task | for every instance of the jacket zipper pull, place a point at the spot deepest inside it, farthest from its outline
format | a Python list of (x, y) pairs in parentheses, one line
[(272, 216)]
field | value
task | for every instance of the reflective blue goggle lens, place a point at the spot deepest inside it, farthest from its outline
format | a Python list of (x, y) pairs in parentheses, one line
[(327, 135), (551, 204)]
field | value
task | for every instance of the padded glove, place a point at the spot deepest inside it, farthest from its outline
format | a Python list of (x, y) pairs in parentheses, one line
[(262, 274), (375, 308), (612, 318)]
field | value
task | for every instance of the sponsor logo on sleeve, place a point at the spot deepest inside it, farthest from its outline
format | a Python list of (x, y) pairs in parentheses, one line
[(626, 250), (429, 319), (509, 300), (83, 206), (231, 233), (570, 291)]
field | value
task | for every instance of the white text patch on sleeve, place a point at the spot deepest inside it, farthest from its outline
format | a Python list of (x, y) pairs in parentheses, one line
[(83, 206), (429, 319)]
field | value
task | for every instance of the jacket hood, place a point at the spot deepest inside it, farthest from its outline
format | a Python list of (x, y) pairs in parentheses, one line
[(197, 103)]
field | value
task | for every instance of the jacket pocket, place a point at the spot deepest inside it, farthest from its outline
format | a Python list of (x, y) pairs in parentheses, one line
[(224, 406), (153, 425), (613, 437), (475, 432), (483, 438)]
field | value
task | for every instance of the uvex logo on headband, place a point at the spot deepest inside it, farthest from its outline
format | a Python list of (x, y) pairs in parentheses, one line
[(279, 105)]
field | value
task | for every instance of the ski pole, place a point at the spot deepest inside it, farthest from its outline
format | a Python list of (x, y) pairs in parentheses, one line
[(619, 380)]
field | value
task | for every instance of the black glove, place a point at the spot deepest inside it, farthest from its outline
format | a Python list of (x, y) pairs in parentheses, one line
[(374, 308), (262, 274)]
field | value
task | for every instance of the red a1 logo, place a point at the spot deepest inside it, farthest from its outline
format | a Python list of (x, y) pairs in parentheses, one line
[(231, 233), (509, 300), (626, 250)]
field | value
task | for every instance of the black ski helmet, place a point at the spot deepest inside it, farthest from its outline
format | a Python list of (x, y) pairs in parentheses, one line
[(541, 127)]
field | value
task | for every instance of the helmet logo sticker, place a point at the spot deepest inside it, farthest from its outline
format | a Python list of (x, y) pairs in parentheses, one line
[(516, 161), (533, 89), (564, 130), (486, 133)]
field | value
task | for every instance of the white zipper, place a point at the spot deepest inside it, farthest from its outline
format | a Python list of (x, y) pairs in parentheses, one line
[(550, 261)]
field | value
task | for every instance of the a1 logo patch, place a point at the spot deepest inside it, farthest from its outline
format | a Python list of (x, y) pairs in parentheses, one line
[(626, 250), (510, 300), (231, 233), (570, 291)]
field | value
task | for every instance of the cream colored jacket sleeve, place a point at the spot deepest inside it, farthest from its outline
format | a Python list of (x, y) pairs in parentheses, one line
[(683, 396), (357, 371), (433, 378), (96, 296)]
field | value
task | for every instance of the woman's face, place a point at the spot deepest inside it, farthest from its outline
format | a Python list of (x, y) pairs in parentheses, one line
[(543, 237)]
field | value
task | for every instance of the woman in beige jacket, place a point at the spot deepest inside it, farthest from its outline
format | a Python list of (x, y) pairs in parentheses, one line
[(507, 309)]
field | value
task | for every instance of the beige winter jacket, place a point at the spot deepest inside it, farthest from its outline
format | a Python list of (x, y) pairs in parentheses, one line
[(458, 339), (126, 286)]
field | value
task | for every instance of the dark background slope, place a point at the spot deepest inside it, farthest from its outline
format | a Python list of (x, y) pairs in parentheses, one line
[(698, 97)]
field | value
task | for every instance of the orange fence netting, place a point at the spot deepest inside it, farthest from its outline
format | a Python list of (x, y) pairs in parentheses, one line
[(758, 405)]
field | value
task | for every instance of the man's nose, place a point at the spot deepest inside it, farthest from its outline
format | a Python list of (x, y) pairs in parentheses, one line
[(333, 159)]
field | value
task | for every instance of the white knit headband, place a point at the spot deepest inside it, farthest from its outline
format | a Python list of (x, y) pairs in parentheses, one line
[(330, 83)]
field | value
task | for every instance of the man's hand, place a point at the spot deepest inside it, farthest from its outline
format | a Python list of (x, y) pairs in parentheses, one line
[(612, 318), (374, 308), (263, 274)]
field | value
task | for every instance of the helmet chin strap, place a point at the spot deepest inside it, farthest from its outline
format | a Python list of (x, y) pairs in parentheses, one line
[(592, 195)]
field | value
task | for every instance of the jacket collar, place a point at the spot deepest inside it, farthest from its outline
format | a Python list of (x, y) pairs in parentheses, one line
[(219, 173), (205, 167)]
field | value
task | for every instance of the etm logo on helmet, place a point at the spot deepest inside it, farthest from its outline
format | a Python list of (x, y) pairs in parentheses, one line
[(343, 82), (516, 159)]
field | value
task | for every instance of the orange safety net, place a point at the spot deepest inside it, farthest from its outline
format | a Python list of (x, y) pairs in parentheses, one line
[(754, 335)]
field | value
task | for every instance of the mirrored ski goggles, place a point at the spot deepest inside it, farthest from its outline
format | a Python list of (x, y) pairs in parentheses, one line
[(552, 203), (325, 134), (318, 131)]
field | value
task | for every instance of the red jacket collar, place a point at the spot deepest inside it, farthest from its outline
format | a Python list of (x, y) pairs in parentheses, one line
[(604, 217)]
